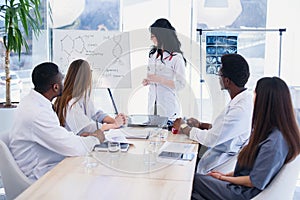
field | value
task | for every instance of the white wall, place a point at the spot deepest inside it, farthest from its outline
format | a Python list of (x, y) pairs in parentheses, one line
[(285, 14), (136, 18)]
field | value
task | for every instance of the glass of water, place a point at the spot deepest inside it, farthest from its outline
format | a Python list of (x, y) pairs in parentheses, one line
[(155, 139), (163, 132), (113, 147), (152, 145), (90, 161), (150, 153)]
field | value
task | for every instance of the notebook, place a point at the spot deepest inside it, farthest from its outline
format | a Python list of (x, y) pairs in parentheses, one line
[(146, 120)]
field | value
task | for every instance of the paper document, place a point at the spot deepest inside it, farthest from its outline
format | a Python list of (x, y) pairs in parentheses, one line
[(116, 135), (136, 133), (177, 147)]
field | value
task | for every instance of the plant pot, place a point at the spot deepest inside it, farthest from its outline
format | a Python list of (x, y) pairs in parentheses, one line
[(6, 118)]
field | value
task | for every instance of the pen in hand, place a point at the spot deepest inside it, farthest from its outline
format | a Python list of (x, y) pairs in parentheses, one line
[(97, 124), (173, 116)]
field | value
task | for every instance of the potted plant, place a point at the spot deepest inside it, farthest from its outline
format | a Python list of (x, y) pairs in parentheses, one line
[(20, 17)]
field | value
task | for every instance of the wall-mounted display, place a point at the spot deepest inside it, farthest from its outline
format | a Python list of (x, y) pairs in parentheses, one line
[(218, 44)]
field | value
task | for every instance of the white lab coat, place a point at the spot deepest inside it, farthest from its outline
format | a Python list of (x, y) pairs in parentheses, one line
[(230, 131), (166, 98), (38, 142), (82, 116)]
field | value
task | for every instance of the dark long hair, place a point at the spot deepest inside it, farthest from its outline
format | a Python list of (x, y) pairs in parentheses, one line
[(77, 84), (272, 109), (167, 39)]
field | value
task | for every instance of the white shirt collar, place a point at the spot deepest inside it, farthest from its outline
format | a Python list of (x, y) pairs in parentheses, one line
[(239, 96), (39, 98)]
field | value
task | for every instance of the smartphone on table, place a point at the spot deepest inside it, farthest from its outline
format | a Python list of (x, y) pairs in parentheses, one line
[(176, 156)]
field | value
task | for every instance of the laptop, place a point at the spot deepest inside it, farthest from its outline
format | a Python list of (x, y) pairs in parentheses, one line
[(146, 120)]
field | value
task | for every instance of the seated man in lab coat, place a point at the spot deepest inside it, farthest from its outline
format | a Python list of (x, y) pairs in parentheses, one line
[(231, 128), (37, 141)]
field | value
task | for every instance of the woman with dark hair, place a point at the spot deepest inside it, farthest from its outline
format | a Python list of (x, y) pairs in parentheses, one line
[(75, 109), (274, 141), (166, 70)]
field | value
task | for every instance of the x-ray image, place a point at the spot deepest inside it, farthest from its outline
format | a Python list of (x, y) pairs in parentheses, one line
[(218, 44), (219, 59), (211, 50), (211, 59), (221, 40), (231, 49), (221, 50), (232, 40), (211, 69), (211, 40)]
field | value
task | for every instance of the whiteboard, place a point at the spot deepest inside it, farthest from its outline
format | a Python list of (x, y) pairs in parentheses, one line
[(106, 51)]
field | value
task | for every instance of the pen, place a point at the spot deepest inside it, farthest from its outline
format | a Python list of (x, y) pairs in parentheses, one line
[(97, 124), (173, 116)]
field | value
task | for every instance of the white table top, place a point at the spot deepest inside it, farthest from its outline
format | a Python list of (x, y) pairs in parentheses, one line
[(117, 176)]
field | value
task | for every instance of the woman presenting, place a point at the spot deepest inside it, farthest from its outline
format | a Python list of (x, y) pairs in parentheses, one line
[(166, 70)]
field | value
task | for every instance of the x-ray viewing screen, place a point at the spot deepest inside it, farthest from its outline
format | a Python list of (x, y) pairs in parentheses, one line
[(218, 44)]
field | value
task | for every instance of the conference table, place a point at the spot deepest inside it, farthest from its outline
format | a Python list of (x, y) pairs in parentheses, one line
[(123, 175)]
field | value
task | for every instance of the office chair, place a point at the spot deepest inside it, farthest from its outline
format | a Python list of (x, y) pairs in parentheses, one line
[(4, 137), (13, 179), (284, 183)]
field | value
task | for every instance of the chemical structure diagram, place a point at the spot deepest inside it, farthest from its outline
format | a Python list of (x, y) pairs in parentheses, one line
[(77, 47), (115, 65), (103, 50)]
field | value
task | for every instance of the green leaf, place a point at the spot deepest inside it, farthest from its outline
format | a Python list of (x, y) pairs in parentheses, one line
[(23, 13), (5, 41), (2, 8), (23, 18)]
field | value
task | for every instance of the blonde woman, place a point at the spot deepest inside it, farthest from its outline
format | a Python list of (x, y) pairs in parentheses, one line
[(75, 108)]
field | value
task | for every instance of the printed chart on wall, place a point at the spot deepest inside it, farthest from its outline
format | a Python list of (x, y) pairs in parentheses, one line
[(106, 51), (218, 44)]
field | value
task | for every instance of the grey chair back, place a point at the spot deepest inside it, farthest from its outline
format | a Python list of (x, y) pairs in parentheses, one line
[(14, 180)]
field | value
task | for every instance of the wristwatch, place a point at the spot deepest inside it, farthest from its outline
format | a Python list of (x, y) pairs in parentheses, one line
[(182, 126)]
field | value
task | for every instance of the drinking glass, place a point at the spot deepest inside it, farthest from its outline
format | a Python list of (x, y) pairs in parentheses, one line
[(90, 161), (150, 153), (114, 147), (151, 146), (163, 132), (154, 139)]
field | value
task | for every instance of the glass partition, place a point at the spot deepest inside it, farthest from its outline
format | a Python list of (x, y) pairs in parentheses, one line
[(202, 98), (21, 68)]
